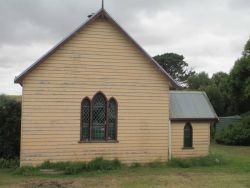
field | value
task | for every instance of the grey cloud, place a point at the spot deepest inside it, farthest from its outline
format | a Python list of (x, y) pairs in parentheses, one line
[(210, 34)]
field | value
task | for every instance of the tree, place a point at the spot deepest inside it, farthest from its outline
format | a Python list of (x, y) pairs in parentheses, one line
[(198, 81), (202, 82), (240, 84), (175, 65), (221, 80), (246, 51), (240, 81), (10, 125), (215, 97)]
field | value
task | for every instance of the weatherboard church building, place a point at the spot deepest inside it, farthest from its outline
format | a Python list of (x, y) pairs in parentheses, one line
[(98, 93)]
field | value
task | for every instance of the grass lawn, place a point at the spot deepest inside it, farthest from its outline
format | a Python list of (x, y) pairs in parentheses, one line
[(236, 173)]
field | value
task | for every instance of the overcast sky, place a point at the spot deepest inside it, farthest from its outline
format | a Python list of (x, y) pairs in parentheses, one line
[(209, 33)]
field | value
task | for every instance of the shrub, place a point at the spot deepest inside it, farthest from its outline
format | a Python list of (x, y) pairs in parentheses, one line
[(100, 164), (236, 134), (10, 124), (9, 163), (75, 168), (135, 165), (210, 160)]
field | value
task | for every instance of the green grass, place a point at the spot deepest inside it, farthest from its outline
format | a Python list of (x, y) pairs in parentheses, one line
[(211, 160), (234, 173), (69, 168)]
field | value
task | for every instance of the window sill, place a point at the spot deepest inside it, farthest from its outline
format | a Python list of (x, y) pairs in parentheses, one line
[(98, 141), (187, 148)]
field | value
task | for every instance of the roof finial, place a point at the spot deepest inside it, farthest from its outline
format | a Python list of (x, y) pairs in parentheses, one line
[(102, 4)]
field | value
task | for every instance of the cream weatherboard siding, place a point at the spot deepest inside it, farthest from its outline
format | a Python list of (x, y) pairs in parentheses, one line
[(201, 139), (98, 58)]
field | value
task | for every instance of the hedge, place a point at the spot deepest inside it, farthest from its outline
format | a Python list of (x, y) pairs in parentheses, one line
[(10, 125)]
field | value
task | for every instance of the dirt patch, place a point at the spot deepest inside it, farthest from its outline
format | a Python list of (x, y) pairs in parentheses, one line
[(51, 184), (184, 175)]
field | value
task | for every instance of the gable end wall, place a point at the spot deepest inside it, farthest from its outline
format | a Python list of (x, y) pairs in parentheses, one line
[(98, 58)]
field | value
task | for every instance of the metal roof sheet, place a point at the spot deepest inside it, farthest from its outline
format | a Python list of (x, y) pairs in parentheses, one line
[(191, 105), (224, 122)]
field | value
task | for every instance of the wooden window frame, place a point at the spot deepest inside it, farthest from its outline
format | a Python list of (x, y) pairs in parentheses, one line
[(191, 127), (105, 140)]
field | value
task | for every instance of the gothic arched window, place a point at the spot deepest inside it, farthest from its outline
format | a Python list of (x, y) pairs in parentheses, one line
[(99, 118), (188, 136)]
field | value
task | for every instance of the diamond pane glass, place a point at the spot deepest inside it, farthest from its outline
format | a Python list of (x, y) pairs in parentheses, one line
[(112, 110), (99, 117), (85, 118)]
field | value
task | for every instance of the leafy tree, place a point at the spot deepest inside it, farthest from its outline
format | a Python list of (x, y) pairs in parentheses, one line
[(175, 65), (221, 81), (213, 88), (246, 51), (215, 98), (10, 124), (198, 81), (240, 81), (229, 93)]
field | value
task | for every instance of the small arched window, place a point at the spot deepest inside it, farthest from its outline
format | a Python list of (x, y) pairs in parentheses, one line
[(112, 119), (85, 118), (188, 136)]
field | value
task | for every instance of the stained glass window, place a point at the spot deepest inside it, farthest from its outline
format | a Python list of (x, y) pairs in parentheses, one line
[(99, 117), (112, 115), (85, 118), (188, 135)]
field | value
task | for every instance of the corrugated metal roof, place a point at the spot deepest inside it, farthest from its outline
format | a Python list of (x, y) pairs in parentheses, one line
[(224, 122), (190, 105)]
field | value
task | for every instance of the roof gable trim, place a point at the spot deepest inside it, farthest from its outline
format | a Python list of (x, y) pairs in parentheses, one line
[(19, 78), (102, 12)]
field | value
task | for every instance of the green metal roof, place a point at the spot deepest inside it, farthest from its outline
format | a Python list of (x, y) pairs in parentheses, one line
[(224, 122), (191, 105)]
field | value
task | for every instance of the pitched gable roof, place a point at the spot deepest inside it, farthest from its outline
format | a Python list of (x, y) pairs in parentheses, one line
[(101, 13), (191, 105)]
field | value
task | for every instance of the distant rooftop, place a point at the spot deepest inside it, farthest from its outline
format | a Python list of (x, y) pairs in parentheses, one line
[(185, 105), (224, 122)]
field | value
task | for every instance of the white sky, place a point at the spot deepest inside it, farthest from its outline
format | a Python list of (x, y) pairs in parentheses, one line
[(209, 33)]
